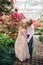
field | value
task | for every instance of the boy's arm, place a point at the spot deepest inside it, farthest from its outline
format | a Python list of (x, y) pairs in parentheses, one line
[(31, 33)]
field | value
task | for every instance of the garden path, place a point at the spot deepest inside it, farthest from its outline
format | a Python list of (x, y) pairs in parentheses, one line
[(37, 54)]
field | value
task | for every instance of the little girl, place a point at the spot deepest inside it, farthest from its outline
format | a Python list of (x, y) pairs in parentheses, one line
[(21, 44)]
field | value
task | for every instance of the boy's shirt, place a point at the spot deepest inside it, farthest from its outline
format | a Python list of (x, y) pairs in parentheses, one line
[(30, 32)]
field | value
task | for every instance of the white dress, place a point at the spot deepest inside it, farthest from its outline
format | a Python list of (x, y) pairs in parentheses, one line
[(21, 45)]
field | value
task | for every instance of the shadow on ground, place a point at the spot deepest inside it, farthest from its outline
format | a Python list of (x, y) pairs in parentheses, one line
[(34, 61)]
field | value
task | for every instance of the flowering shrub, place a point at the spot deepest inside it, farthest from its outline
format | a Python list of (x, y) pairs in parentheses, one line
[(17, 16), (36, 23)]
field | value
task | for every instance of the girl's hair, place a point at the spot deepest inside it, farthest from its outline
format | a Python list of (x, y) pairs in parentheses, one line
[(25, 21), (22, 23)]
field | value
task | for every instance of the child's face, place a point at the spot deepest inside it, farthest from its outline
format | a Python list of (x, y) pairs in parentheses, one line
[(27, 25), (24, 25)]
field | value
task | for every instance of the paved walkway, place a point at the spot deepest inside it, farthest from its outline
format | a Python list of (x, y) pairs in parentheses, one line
[(37, 54), (38, 47)]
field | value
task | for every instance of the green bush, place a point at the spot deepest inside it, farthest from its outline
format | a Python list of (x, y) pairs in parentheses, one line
[(5, 6), (7, 55), (41, 39), (39, 31)]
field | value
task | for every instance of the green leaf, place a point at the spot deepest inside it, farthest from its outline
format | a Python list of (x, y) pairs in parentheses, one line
[(41, 39)]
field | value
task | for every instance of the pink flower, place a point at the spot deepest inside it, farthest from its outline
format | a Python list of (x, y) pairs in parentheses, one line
[(2, 18), (15, 23), (21, 15), (36, 23), (17, 16), (11, 1), (16, 9)]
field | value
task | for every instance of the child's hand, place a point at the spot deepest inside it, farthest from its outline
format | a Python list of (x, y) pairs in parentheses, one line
[(28, 40)]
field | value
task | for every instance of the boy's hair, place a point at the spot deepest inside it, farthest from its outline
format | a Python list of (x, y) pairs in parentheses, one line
[(26, 21), (29, 22)]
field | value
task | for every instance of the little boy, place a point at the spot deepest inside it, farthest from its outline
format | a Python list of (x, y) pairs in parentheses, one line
[(30, 33)]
